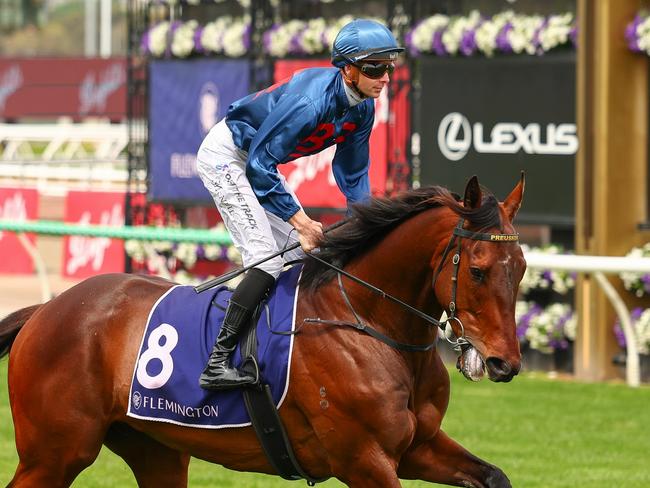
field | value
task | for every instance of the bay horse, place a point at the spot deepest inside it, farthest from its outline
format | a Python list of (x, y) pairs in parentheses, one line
[(356, 409)]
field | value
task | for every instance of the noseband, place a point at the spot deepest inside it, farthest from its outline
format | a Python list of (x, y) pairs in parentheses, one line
[(456, 238)]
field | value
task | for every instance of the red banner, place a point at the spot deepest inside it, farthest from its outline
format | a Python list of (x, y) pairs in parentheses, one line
[(311, 177), (52, 87), (88, 256), (17, 204)]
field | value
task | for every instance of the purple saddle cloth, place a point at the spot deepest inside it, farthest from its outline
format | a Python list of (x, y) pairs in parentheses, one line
[(177, 342)]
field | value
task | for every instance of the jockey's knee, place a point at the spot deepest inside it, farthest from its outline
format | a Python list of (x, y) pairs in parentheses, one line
[(272, 266)]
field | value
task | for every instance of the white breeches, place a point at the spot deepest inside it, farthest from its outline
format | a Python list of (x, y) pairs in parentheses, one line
[(255, 232)]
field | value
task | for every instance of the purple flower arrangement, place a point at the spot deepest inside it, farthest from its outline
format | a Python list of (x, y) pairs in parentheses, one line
[(546, 329), (640, 318), (637, 33)]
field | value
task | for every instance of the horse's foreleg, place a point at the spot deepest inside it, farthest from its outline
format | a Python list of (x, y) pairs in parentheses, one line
[(442, 460), (366, 465), (153, 464)]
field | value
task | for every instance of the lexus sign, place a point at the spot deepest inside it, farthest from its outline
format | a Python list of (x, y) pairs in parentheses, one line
[(456, 135), (496, 117)]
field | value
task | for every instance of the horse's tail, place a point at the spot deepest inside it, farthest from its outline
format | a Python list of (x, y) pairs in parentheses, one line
[(11, 325)]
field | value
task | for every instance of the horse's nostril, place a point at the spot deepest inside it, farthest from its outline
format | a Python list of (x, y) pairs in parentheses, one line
[(499, 369)]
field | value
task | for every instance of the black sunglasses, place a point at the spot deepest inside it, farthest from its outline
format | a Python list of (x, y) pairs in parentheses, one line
[(376, 71)]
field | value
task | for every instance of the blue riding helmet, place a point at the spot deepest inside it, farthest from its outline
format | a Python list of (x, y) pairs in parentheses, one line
[(363, 39)]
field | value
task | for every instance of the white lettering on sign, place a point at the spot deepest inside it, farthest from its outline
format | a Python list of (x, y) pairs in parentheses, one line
[(91, 250), (13, 208), (160, 403), (455, 137), (183, 165), (93, 93), (10, 81)]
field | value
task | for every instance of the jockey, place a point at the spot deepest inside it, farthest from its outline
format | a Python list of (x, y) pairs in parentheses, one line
[(237, 161)]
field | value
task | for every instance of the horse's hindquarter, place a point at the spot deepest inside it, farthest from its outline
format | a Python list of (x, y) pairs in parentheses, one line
[(82, 344)]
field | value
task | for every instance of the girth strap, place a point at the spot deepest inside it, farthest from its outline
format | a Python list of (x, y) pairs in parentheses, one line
[(265, 418)]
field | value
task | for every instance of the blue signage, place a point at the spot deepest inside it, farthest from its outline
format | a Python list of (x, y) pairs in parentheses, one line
[(187, 98)]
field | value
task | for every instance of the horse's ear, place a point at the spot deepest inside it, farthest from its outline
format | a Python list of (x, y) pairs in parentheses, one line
[(473, 193), (513, 202)]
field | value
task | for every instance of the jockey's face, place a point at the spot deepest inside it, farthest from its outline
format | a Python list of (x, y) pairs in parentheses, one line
[(370, 87)]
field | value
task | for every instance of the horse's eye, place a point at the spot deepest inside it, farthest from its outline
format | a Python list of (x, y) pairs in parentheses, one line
[(476, 273)]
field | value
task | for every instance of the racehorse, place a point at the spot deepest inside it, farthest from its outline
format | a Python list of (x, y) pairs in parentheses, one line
[(357, 409)]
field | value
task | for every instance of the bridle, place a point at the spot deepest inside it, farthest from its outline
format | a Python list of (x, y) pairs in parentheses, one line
[(456, 238), (457, 235)]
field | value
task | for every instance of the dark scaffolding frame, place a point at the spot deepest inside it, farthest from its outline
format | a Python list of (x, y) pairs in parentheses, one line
[(141, 13)]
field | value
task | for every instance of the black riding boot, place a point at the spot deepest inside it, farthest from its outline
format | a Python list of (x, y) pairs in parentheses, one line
[(218, 375)]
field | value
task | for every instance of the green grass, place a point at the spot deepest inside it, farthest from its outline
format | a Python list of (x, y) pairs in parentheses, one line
[(542, 433)]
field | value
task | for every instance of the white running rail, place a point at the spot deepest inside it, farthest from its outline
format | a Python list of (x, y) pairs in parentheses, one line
[(598, 266), (63, 141), (55, 157)]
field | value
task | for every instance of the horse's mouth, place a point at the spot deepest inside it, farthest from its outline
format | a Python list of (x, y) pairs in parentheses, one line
[(471, 364)]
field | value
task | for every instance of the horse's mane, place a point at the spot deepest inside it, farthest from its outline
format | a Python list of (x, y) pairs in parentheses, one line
[(373, 219)]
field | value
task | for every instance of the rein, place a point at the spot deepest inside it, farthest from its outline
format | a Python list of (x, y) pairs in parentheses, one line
[(458, 233)]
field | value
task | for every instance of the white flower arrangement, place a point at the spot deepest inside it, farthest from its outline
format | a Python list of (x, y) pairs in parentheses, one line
[(187, 254), (226, 35), (155, 41), (183, 39), (236, 40), (637, 33), (551, 328), (421, 36), (536, 279), (637, 283), (299, 37), (505, 32), (457, 28), (243, 3)]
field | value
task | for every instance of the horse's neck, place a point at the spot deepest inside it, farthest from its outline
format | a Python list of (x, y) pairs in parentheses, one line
[(401, 265)]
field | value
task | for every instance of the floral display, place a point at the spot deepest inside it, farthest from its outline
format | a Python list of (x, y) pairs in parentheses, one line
[(536, 279), (303, 37), (506, 32), (229, 36), (641, 325), (243, 3), (637, 33), (178, 258), (546, 329), (637, 282)]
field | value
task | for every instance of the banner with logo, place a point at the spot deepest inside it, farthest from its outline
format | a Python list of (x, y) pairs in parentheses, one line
[(495, 117), (54, 87), (311, 177), (187, 98), (88, 256), (18, 204)]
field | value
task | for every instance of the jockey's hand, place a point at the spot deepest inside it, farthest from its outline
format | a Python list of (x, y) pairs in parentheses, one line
[(310, 232)]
